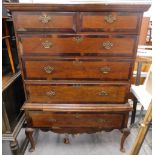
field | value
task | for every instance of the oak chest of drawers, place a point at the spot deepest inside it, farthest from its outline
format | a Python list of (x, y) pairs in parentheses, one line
[(76, 62)]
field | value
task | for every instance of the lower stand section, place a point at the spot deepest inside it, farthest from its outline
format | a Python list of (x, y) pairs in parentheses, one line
[(29, 133)]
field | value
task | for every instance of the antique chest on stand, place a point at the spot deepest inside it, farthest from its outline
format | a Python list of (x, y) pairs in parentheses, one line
[(76, 61)]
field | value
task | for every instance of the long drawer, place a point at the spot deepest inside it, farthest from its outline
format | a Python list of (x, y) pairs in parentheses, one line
[(45, 21), (110, 22), (59, 69), (77, 93), (122, 45), (99, 120)]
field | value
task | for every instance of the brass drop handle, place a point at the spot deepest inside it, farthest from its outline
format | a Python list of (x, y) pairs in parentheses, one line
[(100, 120), (107, 45), (103, 93), (45, 19), (52, 120), (110, 19), (105, 70), (50, 93), (48, 69), (78, 39), (47, 44)]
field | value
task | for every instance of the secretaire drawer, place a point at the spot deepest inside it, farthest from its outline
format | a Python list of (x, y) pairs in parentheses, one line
[(75, 45), (110, 22), (82, 69), (44, 21), (77, 93), (48, 119)]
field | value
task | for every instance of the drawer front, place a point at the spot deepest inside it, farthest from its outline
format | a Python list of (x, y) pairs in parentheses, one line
[(77, 93), (76, 45), (48, 119), (41, 69), (44, 21), (110, 22)]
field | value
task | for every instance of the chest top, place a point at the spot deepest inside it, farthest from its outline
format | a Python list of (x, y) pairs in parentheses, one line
[(81, 5)]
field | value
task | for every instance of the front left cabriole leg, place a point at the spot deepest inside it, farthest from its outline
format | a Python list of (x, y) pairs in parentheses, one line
[(126, 133), (29, 133)]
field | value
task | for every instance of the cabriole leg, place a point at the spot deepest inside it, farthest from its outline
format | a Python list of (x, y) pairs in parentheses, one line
[(29, 133), (126, 132)]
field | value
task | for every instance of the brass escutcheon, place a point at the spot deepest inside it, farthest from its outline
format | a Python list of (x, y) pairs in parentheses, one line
[(100, 120), (76, 85), (77, 115), (78, 39), (52, 120), (77, 62), (105, 69), (50, 93), (103, 93), (55, 127)]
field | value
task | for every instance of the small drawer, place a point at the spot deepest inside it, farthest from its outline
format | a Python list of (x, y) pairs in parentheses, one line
[(77, 93), (110, 22), (122, 45), (44, 21), (73, 69), (100, 120)]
